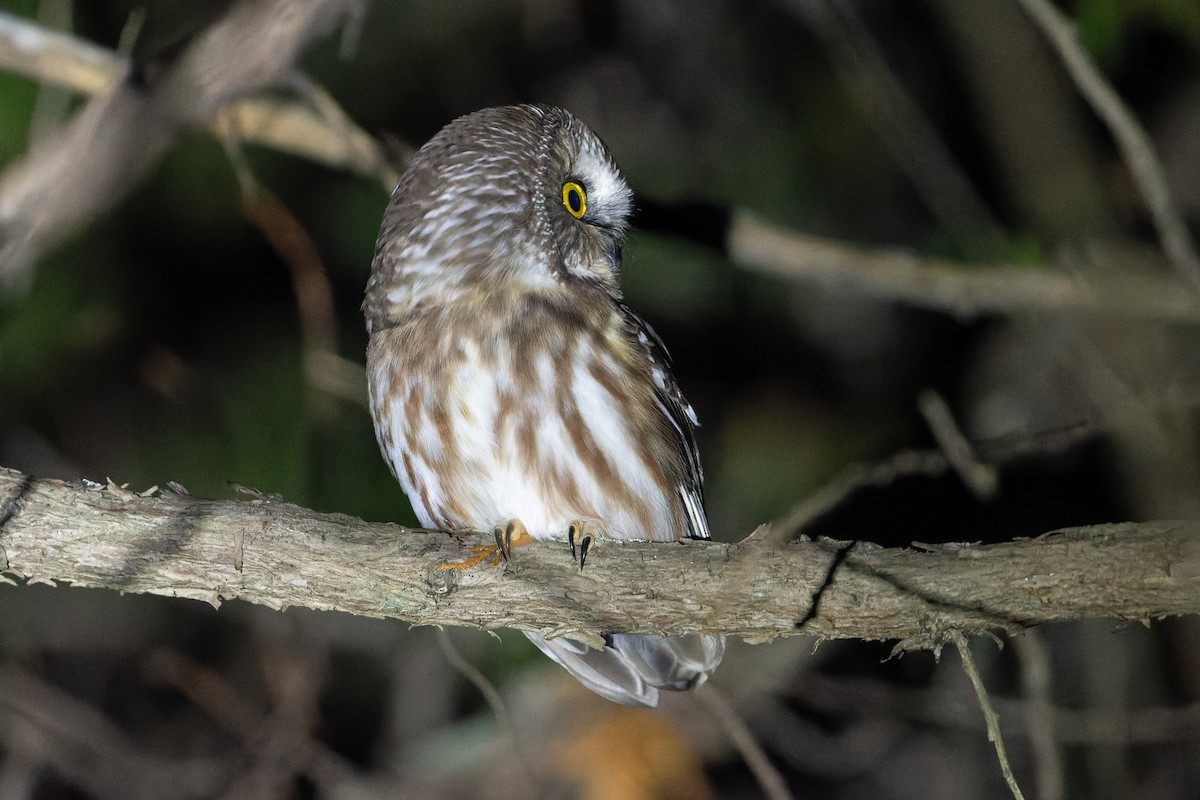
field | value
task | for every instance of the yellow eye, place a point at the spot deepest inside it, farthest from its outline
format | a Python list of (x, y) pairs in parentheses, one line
[(574, 199)]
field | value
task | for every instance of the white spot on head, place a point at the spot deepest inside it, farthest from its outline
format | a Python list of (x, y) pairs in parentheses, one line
[(608, 193)]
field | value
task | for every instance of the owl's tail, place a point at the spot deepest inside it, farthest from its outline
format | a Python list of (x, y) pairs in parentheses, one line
[(631, 669)]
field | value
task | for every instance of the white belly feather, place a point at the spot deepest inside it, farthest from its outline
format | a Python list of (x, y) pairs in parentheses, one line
[(473, 468)]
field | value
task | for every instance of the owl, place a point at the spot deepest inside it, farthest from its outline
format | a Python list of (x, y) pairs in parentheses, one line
[(511, 387)]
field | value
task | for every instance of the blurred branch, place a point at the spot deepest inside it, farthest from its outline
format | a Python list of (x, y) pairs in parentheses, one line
[(324, 369), (962, 289), (1142, 726), (773, 785), (129, 125), (279, 555), (94, 753), (56, 58), (979, 475), (901, 124), (317, 128), (91, 751), (1130, 136), (982, 479), (1036, 683), (852, 477)]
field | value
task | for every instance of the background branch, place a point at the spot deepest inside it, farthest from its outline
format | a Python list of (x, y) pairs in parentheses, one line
[(965, 290), (316, 128), (126, 128), (56, 58), (278, 554), (1131, 137)]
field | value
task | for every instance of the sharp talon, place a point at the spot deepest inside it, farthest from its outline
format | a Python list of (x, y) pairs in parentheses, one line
[(504, 540), (499, 541), (584, 544), (579, 534), (508, 535)]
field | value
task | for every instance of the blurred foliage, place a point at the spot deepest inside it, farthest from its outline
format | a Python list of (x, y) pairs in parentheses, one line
[(164, 343)]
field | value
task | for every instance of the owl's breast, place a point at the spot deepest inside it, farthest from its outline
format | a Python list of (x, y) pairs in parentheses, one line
[(531, 417)]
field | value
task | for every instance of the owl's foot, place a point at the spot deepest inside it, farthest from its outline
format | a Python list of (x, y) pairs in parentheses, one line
[(583, 534), (481, 553), (508, 534)]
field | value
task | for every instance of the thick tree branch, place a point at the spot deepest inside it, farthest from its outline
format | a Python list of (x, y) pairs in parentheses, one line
[(278, 554)]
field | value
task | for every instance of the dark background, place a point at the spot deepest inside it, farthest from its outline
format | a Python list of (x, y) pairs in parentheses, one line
[(165, 343)]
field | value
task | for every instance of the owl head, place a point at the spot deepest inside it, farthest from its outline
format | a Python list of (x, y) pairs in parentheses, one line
[(527, 196)]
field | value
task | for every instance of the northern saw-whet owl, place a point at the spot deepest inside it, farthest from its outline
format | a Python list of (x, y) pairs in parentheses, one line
[(511, 387)]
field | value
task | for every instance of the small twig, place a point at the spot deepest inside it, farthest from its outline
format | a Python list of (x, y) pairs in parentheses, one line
[(1021, 444), (1148, 726), (533, 766), (853, 477), (206, 689), (1039, 713), (1130, 136), (989, 715), (480, 682), (131, 31), (356, 14), (53, 103), (310, 283), (979, 477), (924, 463), (769, 779)]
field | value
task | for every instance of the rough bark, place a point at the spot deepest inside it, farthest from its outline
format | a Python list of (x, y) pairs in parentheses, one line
[(279, 555)]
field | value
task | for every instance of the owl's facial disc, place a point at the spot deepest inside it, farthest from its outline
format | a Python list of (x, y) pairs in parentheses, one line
[(591, 169), (589, 203)]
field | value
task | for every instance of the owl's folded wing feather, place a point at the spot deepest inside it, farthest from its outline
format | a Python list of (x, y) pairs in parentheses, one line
[(675, 407)]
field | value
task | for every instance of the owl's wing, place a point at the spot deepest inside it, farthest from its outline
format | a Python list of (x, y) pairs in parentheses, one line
[(675, 407), (633, 668)]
